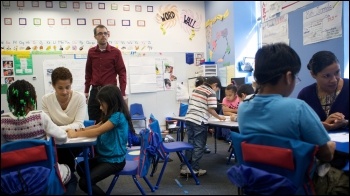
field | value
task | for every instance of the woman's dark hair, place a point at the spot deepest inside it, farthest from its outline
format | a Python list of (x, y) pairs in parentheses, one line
[(61, 73), (231, 87), (111, 95), (20, 96), (274, 60), (246, 89), (199, 81), (321, 60), (212, 80)]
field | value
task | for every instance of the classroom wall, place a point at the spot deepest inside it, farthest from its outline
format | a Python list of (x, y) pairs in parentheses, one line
[(174, 40), (337, 45), (241, 27)]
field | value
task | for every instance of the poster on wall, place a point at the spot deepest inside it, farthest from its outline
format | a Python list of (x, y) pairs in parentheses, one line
[(23, 64), (275, 30), (7, 71), (274, 9), (323, 22), (76, 67)]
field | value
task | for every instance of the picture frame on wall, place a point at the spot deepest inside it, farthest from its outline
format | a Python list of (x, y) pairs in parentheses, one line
[(49, 4), (76, 5), (20, 3), (36, 21), (141, 23), (88, 5), (125, 22), (138, 8), (101, 6), (35, 3), (22, 21), (149, 8), (65, 21), (126, 7), (63, 4), (81, 21), (51, 21), (6, 3), (110, 22), (8, 21), (114, 6), (96, 22)]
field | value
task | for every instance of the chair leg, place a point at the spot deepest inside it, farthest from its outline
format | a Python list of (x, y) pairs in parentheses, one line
[(111, 186), (190, 168), (162, 171), (231, 153), (155, 164), (149, 184), (138, 185)]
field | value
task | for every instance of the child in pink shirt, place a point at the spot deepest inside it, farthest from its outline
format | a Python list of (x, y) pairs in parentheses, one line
[(231, 101)]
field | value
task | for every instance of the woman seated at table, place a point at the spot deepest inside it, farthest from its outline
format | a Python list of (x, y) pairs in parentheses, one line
[(329, 96), (67, 109)]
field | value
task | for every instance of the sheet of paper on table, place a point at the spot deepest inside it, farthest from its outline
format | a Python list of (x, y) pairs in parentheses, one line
[(339, 137)]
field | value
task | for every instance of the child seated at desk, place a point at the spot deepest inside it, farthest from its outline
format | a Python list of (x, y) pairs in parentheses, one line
[(112, 137), (24, 121), (244, 91)]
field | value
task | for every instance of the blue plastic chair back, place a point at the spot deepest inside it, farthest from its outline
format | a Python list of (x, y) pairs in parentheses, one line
[(36, 161), (136, 110), (303, 158), (183, 109), (88, 123)]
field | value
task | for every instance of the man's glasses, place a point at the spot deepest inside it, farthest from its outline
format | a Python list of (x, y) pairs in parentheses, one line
[(102, 33)]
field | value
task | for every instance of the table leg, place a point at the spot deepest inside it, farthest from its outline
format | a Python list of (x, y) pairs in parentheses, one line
[(87, 169), (216, 136)]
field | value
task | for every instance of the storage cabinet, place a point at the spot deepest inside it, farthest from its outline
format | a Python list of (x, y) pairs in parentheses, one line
[(208, 70)]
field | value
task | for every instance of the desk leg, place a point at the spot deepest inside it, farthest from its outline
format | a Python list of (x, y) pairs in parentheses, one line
[(87, 169), (182, 130), (216, 136)]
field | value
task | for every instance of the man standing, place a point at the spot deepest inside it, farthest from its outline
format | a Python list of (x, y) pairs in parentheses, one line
[(104, 63)]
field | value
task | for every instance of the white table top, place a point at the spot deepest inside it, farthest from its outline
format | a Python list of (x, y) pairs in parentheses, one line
[(213, 121), (78, 142)]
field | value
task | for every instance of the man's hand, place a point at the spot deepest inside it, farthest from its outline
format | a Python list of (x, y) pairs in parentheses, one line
[(87, 97)]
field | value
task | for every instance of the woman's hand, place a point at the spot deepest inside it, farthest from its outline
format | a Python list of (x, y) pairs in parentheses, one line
[(71, 133), (333, 118)]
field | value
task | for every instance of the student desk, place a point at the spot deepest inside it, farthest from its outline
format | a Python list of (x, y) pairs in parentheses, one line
[(180, 132), (216, 123), (341, 139), (85, 143)]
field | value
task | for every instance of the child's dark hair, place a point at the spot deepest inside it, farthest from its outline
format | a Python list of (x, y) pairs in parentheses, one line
[(231, 87), (111, 95), (245, 89), (274, 60), (61, 73), (320, 60), (21, 95), (199, 81), (212, 80)]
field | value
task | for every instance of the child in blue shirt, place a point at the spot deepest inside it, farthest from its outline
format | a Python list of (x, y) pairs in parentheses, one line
[(112, 137)]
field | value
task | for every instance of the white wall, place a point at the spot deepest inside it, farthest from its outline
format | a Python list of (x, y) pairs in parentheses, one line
[(175, 42)]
